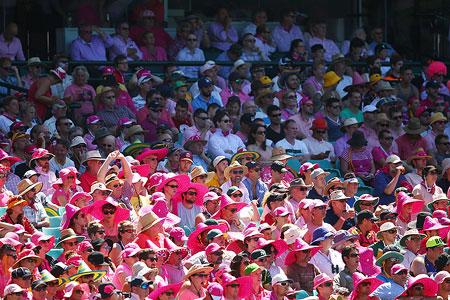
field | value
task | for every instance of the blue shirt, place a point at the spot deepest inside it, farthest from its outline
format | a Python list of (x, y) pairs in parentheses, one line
[(381, 181), (261, 189), (200, 102), (388, 291)]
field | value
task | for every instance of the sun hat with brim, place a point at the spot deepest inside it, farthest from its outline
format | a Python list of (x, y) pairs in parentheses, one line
[(419, 153), (92, 155), (409, 233), (317, 172), (159, 153), (148, 220), (70, 212), (26, 185), (320, 234), (244, 282), (321, 279), (367, 262), (161, 209), (193, 239), (430, 224), (9, 241), (197, 171), (334, 183), (359, 278), (69, 234), (121, 214), (47, 277), (133, 130), (358, 139), (99, 186), (78, 195), (314, 203), (330, 79), (441, 276), (199, 188), (38, 154), (6, 156), (280, 245), (16, 201), (192, 140), (385, 227), (365, 198), (388, 255), (135, 149), (197, 269), (436, 198), (226, 201), (349, 122), (242, 151), (161, 289), (341, 237), (83, 270), (233, 166), (182, 180), (414, 127), (27, 253), (300, 245), (12, 289), (279, 153), (430, 287), (437, 117)]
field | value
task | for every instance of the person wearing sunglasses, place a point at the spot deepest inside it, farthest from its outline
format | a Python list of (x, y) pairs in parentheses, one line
[(195, 281), (235, 88), (66, 186), (350, 257), (126, 234), (15, 292), (223, 142), (323, 285), (189, 204), (140, 288), (191, 52)]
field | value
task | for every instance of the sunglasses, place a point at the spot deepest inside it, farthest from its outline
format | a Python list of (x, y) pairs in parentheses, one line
[(262, 259), (71, 244), (226, 121), (108, 211), (156, 110), (169, 293), (365, 284), (285, 283), (353, 255), (201, 275), (101, 232), (327, 284), (192, 193), (236, 195), (392, 231), (129, 230), (233, 210), (276, 115), (236, 172), (117, 185), (18, 294), (174, 186), (234, 285), (89, 250), (152, 258), (418, 288), (70, 177)]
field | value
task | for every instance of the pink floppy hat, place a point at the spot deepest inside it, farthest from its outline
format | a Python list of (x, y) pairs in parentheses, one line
[(121, 214), (193, 239), (63, 174), (182, 180), (280, 245), (430, 286), (200, 189), (433, 224), (160, 289), (321, 279), (359, 278), (71, 210), (245, 284), (300, 245), (367, 262), (403, 199), (75, 197), (159, 153), (225, 201)]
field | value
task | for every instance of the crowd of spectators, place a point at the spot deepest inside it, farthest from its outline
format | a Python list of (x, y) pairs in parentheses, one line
[(321, 181)]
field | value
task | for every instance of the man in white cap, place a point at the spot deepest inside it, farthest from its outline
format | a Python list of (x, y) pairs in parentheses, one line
[(387, 182), (280, 286), (318, 177), (210, 70), (220, 163)]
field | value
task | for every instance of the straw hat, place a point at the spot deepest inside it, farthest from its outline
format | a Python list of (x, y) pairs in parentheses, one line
[(279, 153), (242, 151), (197, 171), (148, 220), (83, 269), (197, 269), (235, 165), (26, 185), (92, 155), (437, 117)]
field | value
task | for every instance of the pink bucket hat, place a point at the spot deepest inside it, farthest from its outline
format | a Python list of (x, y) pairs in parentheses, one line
[(245, 284), (63, 174), (359, 278), (193, 239), (121, 214), (178, 234), (433, 224), (130, 250), (367, 262), (403, 199), (280, 245), (183, 181), (430, 286), (321, 279), (78, 195), (175, 287), (71, 210), (155, 180), (300, 245), (225, 201)]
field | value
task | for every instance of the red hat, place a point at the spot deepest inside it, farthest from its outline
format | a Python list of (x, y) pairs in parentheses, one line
[(436, 67), (159, 153), (186, 155), (319, 124), (59, 72), (11, 159)]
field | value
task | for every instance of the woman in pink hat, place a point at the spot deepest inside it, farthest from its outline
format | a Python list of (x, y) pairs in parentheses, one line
[(305, 172), (43, 244), (406, 208), (363, 286), (167, 292), (110, 213), (129, 258), (66, 186), (420, 287), (75, 218), (81, 199), (172, 185)]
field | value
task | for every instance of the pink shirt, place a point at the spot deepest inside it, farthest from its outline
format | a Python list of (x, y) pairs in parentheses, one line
[(12, 50), (122, 269), (407, 147), (227, 93), (303, 125), (361, 160), (159, 55), (83, 95)]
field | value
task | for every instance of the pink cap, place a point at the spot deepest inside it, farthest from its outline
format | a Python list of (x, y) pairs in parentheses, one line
[(93, 120), (83, 246), (209, 196), (305, 99), (215, 290), (130, 250), (398, 268), (125, 121), (320, 279), (441, 276), (178, 234), (304, 204), (281, 212), (211, 248)]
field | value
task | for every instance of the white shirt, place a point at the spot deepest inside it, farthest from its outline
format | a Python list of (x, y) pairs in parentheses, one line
[(51, 125), (265, 48), (316, 147), (283, 38), (298, 149), (56, 167), (219, 143), (186, 54), (47, 180), (5, 122), (325, 262), (408, 258), (413, 178), (346, 81)]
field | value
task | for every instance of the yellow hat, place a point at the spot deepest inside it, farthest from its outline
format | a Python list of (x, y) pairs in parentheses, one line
[(437, 117), (374, 78), (330, 78)]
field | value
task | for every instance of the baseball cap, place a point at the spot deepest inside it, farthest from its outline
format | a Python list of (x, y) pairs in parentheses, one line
[(217, 160), (212, 248), (280, 212), (393, 159), (186, 155), (398, 268), (365, 214), (213, 233), (37, 283), (435, 241), (280, 277), (78, 140), (258, 253), (204, 82), (207, 66), (369, 108), (251, 268), (92, 120)]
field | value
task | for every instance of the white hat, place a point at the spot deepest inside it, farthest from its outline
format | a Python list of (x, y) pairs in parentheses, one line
[(207, 66), (237, 64), (217, 160), (349, 122), (281, 277), (292, 234), (369, 108), (78, 140), (317, 172), (13, 288), (393, 159)]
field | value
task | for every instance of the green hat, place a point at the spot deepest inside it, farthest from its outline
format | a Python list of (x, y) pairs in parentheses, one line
[(135, 149), (83, 270), (258, 253), (251, 268), (210, 222), (213, 233), (436, 198), (68, 234), (389, 254), (434, 241), (46, 276), (179, 84)]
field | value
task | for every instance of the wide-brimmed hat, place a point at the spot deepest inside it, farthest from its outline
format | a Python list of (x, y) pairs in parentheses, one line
[(359, 278), (244, 282), (121, 214), (38, 154), (365, 198), (242, 151), (333, 182), (430, 287), (317, 172), (233, 166), (46, 276), (182, 180), (71, 210), (226, 201), (68, 234), (201, 190), (436, 198), (161, 289), (438, 116), (193, 238), (321, 279), (409, 233), (279, 153), (161, 209), (300, 245), (197, 269), (433, 224), (134, 129), (148, 220), (389, 254), (26, 185), (358, 139), (403, 199), (349, 122), (11, 159), (330, 78), (419, 153), (280, 245), (99, 186), (320, 234), (83, 269), (197, 171), (13, 288), (385, 227), (92, 155), (414, 127), (63, 174), (101, 133), (135, 149), (26, 253)]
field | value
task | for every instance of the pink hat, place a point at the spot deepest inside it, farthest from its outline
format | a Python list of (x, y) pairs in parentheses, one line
[(367, 261), (178, 234), (398, 268), (245, 284), (108, 70), (211, 248), (307, 166), (403, 199), (71, 210), (209, 196), (430, 286), (305, 99), (433, 224), (280, 245), (359, 278), (436, 67), (280, 212), (200, 189), (38, 154), (9, 241), (12, 235), (320, 279), (161, 210), (142, 169), (300, 245), (131, 249), (161, 288), (94, 119), (74, 260), (83, 246), (11, 159), (59, 72), (304, 204), (125, 121), (182, 180), (155, 180), (19, 229), (78, 195), (193, 242), (159, 153), (215, 290), (63, 174), (38, 236), (157, 196), (225, 201), (441, 276), (121, 214), (316, 203)]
